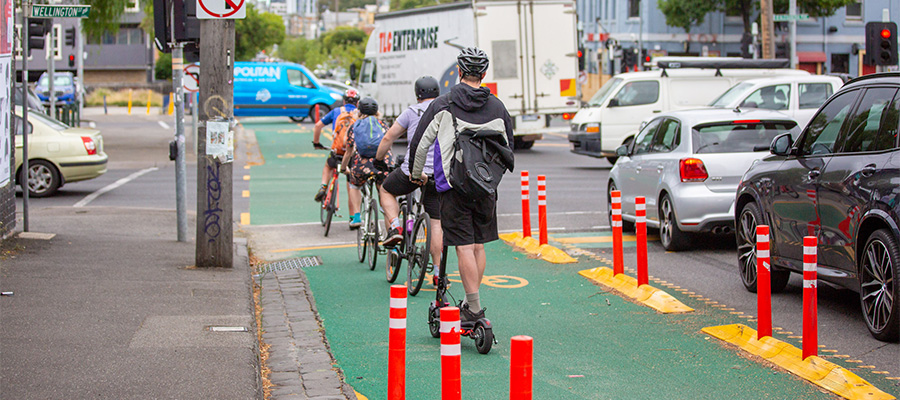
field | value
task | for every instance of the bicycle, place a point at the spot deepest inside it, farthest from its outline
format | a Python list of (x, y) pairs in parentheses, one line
[(330, 203), (367, 236), (414, 245), (481, 331)]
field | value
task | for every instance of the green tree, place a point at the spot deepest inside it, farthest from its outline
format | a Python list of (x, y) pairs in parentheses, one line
[(105, 15), (407, 4), (301, 50), (685, 14), (338, 48), (256, 32), (163, 68)]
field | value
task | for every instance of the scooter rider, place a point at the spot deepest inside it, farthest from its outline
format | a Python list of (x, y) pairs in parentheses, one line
[(468, 223), (398, 182)]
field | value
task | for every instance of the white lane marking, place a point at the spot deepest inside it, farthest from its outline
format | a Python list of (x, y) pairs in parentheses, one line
[(164, 125), (89, 198), (92, 124), (519, 214)]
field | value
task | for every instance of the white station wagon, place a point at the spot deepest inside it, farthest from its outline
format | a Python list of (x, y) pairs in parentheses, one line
[(797, 96)]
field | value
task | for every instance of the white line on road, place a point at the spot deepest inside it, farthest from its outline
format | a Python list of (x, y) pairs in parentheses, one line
[(164, 125), (555, 213), (89, 198)]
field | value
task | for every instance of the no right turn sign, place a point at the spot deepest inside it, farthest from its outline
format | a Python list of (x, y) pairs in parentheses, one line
[(221, 9)]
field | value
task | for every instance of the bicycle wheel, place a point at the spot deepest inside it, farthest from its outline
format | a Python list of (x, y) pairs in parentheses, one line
[(372, 234), (393, 264), (361, 241), (332, 206), (418, 263)]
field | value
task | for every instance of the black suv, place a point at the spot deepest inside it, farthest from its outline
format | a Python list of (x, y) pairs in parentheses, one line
[(838, 181)]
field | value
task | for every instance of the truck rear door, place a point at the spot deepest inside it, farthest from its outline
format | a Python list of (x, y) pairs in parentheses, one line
[(532, 46)]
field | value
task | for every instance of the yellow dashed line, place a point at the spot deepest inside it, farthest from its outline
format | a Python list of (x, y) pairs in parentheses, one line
[(246, 167), (245, 193), (245, 218), (246, 177)]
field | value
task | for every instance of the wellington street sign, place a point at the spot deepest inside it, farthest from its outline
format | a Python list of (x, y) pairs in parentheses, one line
[(59, 11), (790, 17)]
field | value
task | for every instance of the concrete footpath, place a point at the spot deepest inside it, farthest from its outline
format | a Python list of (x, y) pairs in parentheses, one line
[(109, 307)]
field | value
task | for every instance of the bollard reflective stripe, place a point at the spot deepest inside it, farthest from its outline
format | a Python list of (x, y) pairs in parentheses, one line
[(810, 306), (763, 283), (450, 354), (640, 228), (397, 344), (616, 208)]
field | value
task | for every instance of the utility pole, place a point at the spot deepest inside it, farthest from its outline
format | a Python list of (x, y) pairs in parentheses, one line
[(768, 29), (793, 12), (51, 70), (26, 52), (79, 67), (214, 173), (180, 168)]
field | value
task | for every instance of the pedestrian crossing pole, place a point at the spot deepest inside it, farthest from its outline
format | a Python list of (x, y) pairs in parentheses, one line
[(214, 170)]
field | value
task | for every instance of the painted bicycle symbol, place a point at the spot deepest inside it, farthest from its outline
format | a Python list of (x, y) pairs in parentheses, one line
[(497, 281)]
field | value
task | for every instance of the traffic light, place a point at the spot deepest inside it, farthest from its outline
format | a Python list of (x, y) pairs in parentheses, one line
[(37, 29), (581, 58), (881, 43), (185, 27), (70, 37), (71, 61)]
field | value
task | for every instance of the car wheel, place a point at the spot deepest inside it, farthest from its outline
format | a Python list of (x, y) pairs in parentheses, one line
[(42, 177), (323, 109), (878, 267), (745, 232), (672, 237), (627, 226)]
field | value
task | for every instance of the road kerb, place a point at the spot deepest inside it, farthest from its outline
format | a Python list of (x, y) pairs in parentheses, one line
[(814, 369), (644, 294), (533, 247)]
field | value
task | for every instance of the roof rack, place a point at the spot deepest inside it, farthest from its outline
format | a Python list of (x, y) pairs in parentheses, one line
[(873, 76), (730, 63)]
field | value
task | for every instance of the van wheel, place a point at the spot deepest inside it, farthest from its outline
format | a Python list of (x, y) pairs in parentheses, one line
[(298, 119), (322, 110)]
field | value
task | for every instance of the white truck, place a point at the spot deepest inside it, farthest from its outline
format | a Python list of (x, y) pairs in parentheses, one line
[(531, 44)]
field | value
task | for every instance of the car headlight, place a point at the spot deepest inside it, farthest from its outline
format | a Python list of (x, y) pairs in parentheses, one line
[(336, 96)]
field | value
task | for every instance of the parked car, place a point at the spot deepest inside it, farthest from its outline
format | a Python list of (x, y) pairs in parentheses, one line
[(336, 85), (797, 96), (837, 181), (612, 116), (64, 85), (57, 154), (34, 102), (687, 165)]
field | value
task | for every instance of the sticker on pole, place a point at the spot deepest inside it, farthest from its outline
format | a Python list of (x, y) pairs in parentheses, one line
[(221, 9)]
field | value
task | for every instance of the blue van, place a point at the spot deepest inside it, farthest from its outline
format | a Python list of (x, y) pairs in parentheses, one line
[(281, 90)]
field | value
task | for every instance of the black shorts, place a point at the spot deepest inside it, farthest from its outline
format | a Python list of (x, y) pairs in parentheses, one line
[(468, 221), (398, 184), (333, 161)]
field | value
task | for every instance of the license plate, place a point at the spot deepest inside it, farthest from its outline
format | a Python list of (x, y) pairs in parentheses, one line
[(572, 146), (528, 118)]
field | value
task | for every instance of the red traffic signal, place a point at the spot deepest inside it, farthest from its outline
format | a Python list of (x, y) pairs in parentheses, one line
[(580, 54), (886, 33), (71, 60), (881, 43)]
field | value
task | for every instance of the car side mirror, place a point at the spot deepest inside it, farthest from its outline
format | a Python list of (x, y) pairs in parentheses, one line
[(622, 150), (781, 145), (613, 102), (353, 72)]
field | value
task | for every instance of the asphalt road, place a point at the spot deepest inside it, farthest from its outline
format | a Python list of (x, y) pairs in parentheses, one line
[(576, 203)]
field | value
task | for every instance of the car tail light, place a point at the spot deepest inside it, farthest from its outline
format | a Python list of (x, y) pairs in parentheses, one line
[(747, 121), (568, 116), (89, 145), (692, 170)]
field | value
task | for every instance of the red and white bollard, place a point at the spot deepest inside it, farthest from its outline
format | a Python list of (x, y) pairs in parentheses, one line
[(810, 307), (450, 354), (640, 228), (526, 209), (520, 367), (616, 209), (542, 208), (763, 283), (397, 344)]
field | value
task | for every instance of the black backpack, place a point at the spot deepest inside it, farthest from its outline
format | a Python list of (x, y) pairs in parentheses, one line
[(478, 162)]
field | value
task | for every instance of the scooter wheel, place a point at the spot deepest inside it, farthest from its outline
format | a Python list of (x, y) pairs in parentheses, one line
[(434, 322), (484, 338)]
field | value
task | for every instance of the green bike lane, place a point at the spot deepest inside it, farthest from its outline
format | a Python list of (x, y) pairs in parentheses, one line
[(589, 344)]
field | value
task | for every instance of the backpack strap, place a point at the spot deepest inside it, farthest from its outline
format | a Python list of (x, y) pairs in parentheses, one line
[(455, 123)]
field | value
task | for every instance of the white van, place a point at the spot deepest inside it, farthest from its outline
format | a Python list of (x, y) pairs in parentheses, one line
[(797, 96), (613, 116)]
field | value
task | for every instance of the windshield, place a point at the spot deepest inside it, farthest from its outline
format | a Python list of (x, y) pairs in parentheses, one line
[(52, 123), (738, 136), (730, 95), (604, 92), (60, 80)]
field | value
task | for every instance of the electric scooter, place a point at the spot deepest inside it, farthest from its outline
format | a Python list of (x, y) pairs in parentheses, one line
[(480, 331)]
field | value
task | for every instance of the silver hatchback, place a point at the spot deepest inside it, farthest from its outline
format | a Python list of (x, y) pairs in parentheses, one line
[(688, 164)]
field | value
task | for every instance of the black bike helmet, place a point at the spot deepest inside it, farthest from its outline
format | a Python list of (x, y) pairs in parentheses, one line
[(472, 61), (427, 88), (368, 106), (351, 96)]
